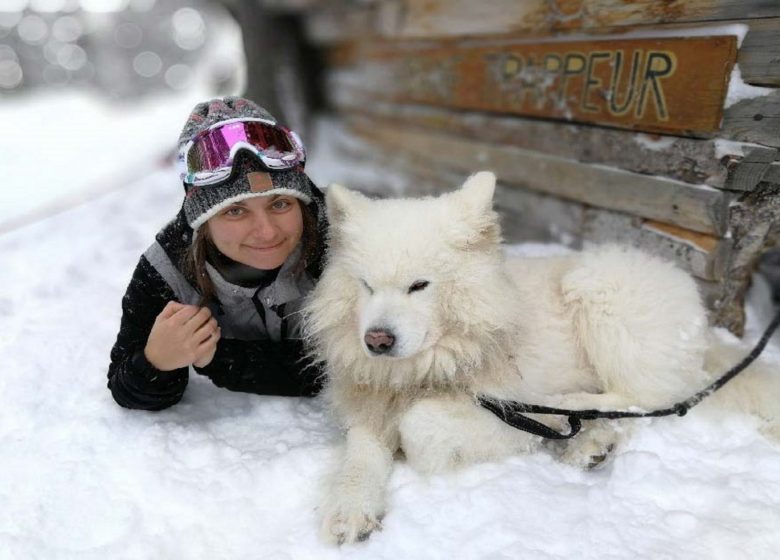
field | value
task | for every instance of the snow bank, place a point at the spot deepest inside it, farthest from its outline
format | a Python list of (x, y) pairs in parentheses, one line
[(62, 147)]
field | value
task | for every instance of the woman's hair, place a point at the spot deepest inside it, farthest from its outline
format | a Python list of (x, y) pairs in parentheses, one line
[(196, 256)]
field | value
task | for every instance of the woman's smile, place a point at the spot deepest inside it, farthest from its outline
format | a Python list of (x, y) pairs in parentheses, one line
[(265, 248), (259, 232)]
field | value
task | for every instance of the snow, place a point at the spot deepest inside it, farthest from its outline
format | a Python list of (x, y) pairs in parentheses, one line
[(654, 144), (739, 90), (66, 146), (231, 475)]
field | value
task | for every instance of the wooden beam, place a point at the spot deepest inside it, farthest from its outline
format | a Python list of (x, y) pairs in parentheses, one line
[(772, 174), (698, 208), (698, 161), (754, 120), (437, 18), (751, 169), (527, 215), (757, 56)]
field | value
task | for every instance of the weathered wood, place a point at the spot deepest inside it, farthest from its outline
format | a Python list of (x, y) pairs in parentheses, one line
[(760, 52), (754, 120), (751, 169), (757, 56), (754, 223), (772, 174), (684, 159), (694, 207), (445, 18), (437, 18), (701, 241), (673, 84), (531, 216)]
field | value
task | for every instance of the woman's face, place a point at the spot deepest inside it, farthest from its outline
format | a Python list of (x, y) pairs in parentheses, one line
[(259, 232)]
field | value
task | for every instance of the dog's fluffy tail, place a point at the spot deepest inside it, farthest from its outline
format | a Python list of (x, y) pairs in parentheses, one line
[(755, 390)]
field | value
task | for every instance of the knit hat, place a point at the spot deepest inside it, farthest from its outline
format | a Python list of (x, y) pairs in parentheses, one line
[(203, 202)]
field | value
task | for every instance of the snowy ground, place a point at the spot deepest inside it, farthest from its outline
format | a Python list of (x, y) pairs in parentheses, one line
[(228, 475)]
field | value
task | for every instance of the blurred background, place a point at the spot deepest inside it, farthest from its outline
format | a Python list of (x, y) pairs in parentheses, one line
[(93, 93), (119, 49), (411, 96)]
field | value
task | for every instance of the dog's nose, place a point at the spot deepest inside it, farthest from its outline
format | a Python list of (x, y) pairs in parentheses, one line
[(379, 341)]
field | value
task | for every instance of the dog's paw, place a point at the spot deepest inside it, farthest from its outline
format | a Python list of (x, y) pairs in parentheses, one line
[(344, 524), (771, 430), (587, 457), (592, 449)]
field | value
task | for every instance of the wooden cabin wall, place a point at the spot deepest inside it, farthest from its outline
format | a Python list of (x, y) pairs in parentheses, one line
[(538, 92)]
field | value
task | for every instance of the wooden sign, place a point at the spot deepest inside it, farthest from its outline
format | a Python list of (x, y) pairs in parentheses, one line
[(673, 85)]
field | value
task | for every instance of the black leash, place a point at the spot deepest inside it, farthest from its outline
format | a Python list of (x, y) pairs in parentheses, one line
[(511, 412)]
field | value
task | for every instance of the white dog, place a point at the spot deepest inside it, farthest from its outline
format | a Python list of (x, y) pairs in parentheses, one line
[(418, 312)]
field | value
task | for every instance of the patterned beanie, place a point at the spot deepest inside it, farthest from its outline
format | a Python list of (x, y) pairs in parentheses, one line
[(201, 203)]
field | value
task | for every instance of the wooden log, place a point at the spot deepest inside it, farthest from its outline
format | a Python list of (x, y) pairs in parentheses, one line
[(334, 23), (754, 224), (426, 19), (772, 174), (437, 18), (531, 216), (685, 159), (694, 207), (751, 169), (760, 51), (754, 120)]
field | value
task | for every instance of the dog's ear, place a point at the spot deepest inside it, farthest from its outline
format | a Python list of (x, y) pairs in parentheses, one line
[(474, 202), (340, 201), (477, 191)]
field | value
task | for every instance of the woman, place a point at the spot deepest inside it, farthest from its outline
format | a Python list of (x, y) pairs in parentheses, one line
[(221, 287)]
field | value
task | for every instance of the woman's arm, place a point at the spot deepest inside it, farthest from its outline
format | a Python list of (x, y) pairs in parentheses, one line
[(266, 367), (134, 382)]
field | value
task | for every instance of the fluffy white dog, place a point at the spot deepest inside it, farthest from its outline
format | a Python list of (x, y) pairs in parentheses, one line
[(418, 312)]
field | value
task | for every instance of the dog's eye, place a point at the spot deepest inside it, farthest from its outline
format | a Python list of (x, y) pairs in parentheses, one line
[(366, 286), (418, 286)]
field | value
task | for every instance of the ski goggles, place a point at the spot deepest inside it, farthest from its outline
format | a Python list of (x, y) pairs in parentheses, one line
[(208, 157)]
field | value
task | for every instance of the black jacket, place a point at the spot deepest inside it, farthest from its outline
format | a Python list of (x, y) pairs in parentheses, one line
[(260, 365)]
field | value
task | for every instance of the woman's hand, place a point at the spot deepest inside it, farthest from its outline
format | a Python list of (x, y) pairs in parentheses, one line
[(182, 335)]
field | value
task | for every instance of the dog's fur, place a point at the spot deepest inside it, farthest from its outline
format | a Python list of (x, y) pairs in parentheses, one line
[(609, 328)]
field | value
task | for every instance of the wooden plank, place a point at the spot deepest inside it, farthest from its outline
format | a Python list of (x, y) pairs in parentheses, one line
[(772, 174), (752, 169), (698, 208), (754, 120), (685, 159), (754, 221), (671, 85), (760, 52), (438, 18), (532, 216), (757, 56)]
